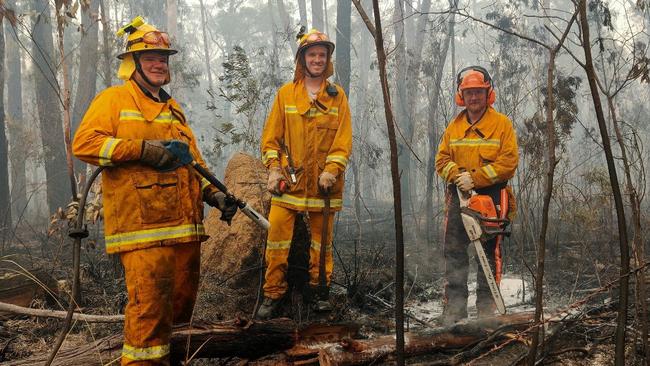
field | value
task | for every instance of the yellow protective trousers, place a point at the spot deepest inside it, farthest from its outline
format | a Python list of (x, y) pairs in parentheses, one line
[(279, 242), (162, 283)]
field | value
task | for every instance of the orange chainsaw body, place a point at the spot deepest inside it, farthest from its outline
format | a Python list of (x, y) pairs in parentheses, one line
[(484, 205)]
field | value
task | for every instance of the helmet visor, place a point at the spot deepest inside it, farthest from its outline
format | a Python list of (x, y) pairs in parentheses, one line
[(315, 37), (155, 38)]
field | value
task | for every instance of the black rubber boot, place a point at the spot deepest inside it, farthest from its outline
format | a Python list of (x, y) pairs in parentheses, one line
[(320, 299), (268, 308)]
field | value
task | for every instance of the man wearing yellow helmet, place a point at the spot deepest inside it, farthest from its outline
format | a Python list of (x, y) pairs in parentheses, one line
[(153, 208), (306, 144), (478, 151)]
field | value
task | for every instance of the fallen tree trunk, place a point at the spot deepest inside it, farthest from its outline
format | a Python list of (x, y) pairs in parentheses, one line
[(237, 338), (360, 352), (44, 313)]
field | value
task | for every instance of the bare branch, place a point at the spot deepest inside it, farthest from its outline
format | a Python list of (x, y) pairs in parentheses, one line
[(364, 16), (43, 313), (494, 26)]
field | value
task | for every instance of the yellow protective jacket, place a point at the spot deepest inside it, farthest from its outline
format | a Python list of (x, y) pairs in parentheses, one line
[(487, 149), (143, 207), (317, 135)]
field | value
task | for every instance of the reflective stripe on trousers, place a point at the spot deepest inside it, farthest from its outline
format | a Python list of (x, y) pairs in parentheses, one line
[(278, 245), (162, 283)]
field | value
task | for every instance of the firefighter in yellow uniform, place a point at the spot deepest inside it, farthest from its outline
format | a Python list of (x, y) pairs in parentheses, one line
[(306, 144), (478, 151), (153, 208)]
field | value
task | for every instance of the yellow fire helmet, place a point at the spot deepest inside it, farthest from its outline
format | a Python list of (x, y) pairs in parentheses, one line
[(313, 38), (142, 37)]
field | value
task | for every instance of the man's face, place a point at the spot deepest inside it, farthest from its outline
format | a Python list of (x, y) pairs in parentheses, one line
[(475, 99), (155, 67), (316, 60)]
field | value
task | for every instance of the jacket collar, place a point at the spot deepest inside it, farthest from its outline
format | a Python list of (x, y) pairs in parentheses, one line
[(149, 108), (323, 101), (484, 127)]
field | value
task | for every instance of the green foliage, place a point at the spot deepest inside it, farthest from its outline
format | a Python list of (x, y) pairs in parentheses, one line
[(248, 92), (566, 107), (532, 138), (239, 85), (601, 10)]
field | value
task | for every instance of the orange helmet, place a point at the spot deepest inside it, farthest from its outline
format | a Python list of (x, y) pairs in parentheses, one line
[(474, 77), (313, 38)]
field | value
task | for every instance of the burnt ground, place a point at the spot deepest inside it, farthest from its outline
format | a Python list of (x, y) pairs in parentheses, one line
[(362, 293)]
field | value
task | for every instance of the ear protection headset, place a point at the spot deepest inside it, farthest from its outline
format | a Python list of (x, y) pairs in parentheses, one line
[(466, 84)]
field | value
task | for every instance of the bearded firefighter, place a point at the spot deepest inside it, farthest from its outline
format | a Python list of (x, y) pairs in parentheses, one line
[(306, 144), (153, 208), (478, 152)]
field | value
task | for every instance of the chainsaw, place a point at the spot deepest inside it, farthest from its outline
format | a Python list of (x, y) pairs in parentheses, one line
[(480, 220)]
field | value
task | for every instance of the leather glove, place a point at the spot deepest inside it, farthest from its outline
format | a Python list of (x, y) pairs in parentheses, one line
[(71, 211), (326, 180), (156, 155), (464, 181), (275, 177), (226, 205)]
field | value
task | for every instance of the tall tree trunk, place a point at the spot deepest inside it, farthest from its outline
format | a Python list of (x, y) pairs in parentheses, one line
[(17, 149), (106, 44), (302, 6), (287, 24), (551, 162), (616, 189), (49, 107), (88, 59), (400, 93), (343, 14), (548, 188), (317, 17), (153, 11), (432, 134), (416, 40), (275, 63), (637, 233), (67, 114), (206, 49), (172, 19), (397, 194), (5, 197), (361, 127)]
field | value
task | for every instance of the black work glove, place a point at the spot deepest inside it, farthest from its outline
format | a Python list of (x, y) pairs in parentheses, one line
[(226, 204), (156, 155)]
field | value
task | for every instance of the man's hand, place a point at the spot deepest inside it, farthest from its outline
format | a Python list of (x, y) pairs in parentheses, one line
[(326, 180), (228, 207), (464, 181), (273, 185), (156, 155)]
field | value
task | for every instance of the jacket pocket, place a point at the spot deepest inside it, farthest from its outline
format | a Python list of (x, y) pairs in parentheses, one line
[(159, 197), (326, 132), (487, 154)]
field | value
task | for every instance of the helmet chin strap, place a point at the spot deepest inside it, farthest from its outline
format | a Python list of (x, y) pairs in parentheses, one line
[(138, 69)]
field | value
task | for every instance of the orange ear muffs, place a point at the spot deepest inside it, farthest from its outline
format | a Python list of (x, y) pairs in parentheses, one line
[(458, 98), (492, 96)]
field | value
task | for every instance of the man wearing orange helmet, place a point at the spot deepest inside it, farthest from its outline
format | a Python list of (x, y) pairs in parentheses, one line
[(478, 152), (153, 207), (306, 144)]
